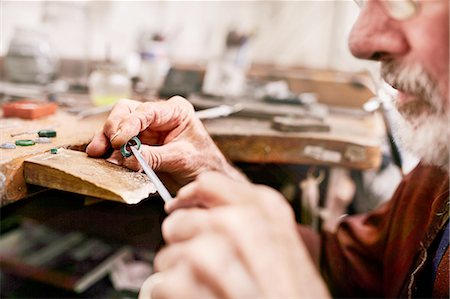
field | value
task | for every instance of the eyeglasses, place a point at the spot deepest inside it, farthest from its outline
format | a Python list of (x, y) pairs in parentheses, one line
[(397, 9)]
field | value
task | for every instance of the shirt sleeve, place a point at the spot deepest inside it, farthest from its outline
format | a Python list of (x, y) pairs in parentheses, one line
[(352, 257)]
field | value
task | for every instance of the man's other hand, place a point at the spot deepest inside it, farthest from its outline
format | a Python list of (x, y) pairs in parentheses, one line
[(228, 239)]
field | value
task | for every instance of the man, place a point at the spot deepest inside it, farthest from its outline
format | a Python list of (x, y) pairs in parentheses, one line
[(228, 238)]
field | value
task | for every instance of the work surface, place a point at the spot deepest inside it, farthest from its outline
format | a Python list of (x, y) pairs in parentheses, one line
[(353, 142), (72, 132)]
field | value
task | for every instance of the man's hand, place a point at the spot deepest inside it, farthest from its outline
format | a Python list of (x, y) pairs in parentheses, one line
[(229, 239), (174, 140)]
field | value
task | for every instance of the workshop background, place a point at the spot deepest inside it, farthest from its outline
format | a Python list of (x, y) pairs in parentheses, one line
[(297, 33), (273, 82)]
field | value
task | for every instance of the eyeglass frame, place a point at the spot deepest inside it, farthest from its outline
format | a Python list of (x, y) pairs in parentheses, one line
[(413, 5)]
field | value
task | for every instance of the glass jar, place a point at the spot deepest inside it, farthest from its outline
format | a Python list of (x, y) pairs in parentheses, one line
[(108, 84)]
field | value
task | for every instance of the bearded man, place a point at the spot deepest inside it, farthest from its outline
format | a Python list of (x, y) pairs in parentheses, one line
[(227, 238)]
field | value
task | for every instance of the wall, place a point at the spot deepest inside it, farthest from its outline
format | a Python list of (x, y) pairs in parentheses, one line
[(300, 33)]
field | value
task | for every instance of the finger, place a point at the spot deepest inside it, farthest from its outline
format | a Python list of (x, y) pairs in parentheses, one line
[(179, 282), (147, 287), (172, 115), (213, 261), (98, 146), (173, 157), (210, 189), (116, 158), (185, 224), (121, 110)]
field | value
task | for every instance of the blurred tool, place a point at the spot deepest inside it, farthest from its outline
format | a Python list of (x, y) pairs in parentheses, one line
[(221, 111), (108, 83), (83, 113), (8, 145), (225, 76), (278, 92), (296, 124), (29, 109), (43, 140), (30, 58), (134, 145), (48, 133)]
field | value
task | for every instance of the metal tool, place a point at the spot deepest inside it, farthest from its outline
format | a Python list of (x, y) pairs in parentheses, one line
[(8, 145), (49, 133), (43, 140), (134, 145), (220, 111)]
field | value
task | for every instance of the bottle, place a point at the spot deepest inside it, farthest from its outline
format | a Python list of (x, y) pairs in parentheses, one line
[(108, 83), (226, 76), (155, 63)]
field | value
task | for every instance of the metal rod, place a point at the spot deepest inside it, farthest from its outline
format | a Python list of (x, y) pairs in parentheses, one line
[(162, 190)]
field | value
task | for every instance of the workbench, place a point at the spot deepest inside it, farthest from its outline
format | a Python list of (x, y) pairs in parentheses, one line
[(353, 142)]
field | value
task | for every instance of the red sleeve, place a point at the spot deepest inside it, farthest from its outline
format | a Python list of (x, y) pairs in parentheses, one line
[(352, 258), (373, 254)]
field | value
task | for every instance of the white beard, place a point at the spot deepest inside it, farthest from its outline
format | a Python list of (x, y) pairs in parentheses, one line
[(424, 131), (427, 138)]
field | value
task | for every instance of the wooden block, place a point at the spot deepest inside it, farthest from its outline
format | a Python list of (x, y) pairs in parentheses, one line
[(74, 171), (29, 109)]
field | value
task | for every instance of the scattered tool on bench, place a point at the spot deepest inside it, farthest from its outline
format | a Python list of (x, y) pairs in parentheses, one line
[(8, 145), (132, 148), (49, 133), (25, 142)]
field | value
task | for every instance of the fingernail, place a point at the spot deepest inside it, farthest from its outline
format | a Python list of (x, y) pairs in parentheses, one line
[(113, 161), (115, 135)]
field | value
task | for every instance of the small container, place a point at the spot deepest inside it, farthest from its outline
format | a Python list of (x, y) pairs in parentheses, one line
[(108, 84), (155, 63), (226, 75)]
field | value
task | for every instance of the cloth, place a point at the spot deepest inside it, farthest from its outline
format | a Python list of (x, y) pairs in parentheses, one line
[(385, 253)]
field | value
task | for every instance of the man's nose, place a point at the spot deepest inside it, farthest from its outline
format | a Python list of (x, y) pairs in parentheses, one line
[(376, 36)]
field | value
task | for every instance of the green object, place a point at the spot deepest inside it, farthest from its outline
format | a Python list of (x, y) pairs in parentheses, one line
[(54, 151), (47, 133), (25, 142), (132, 142)]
